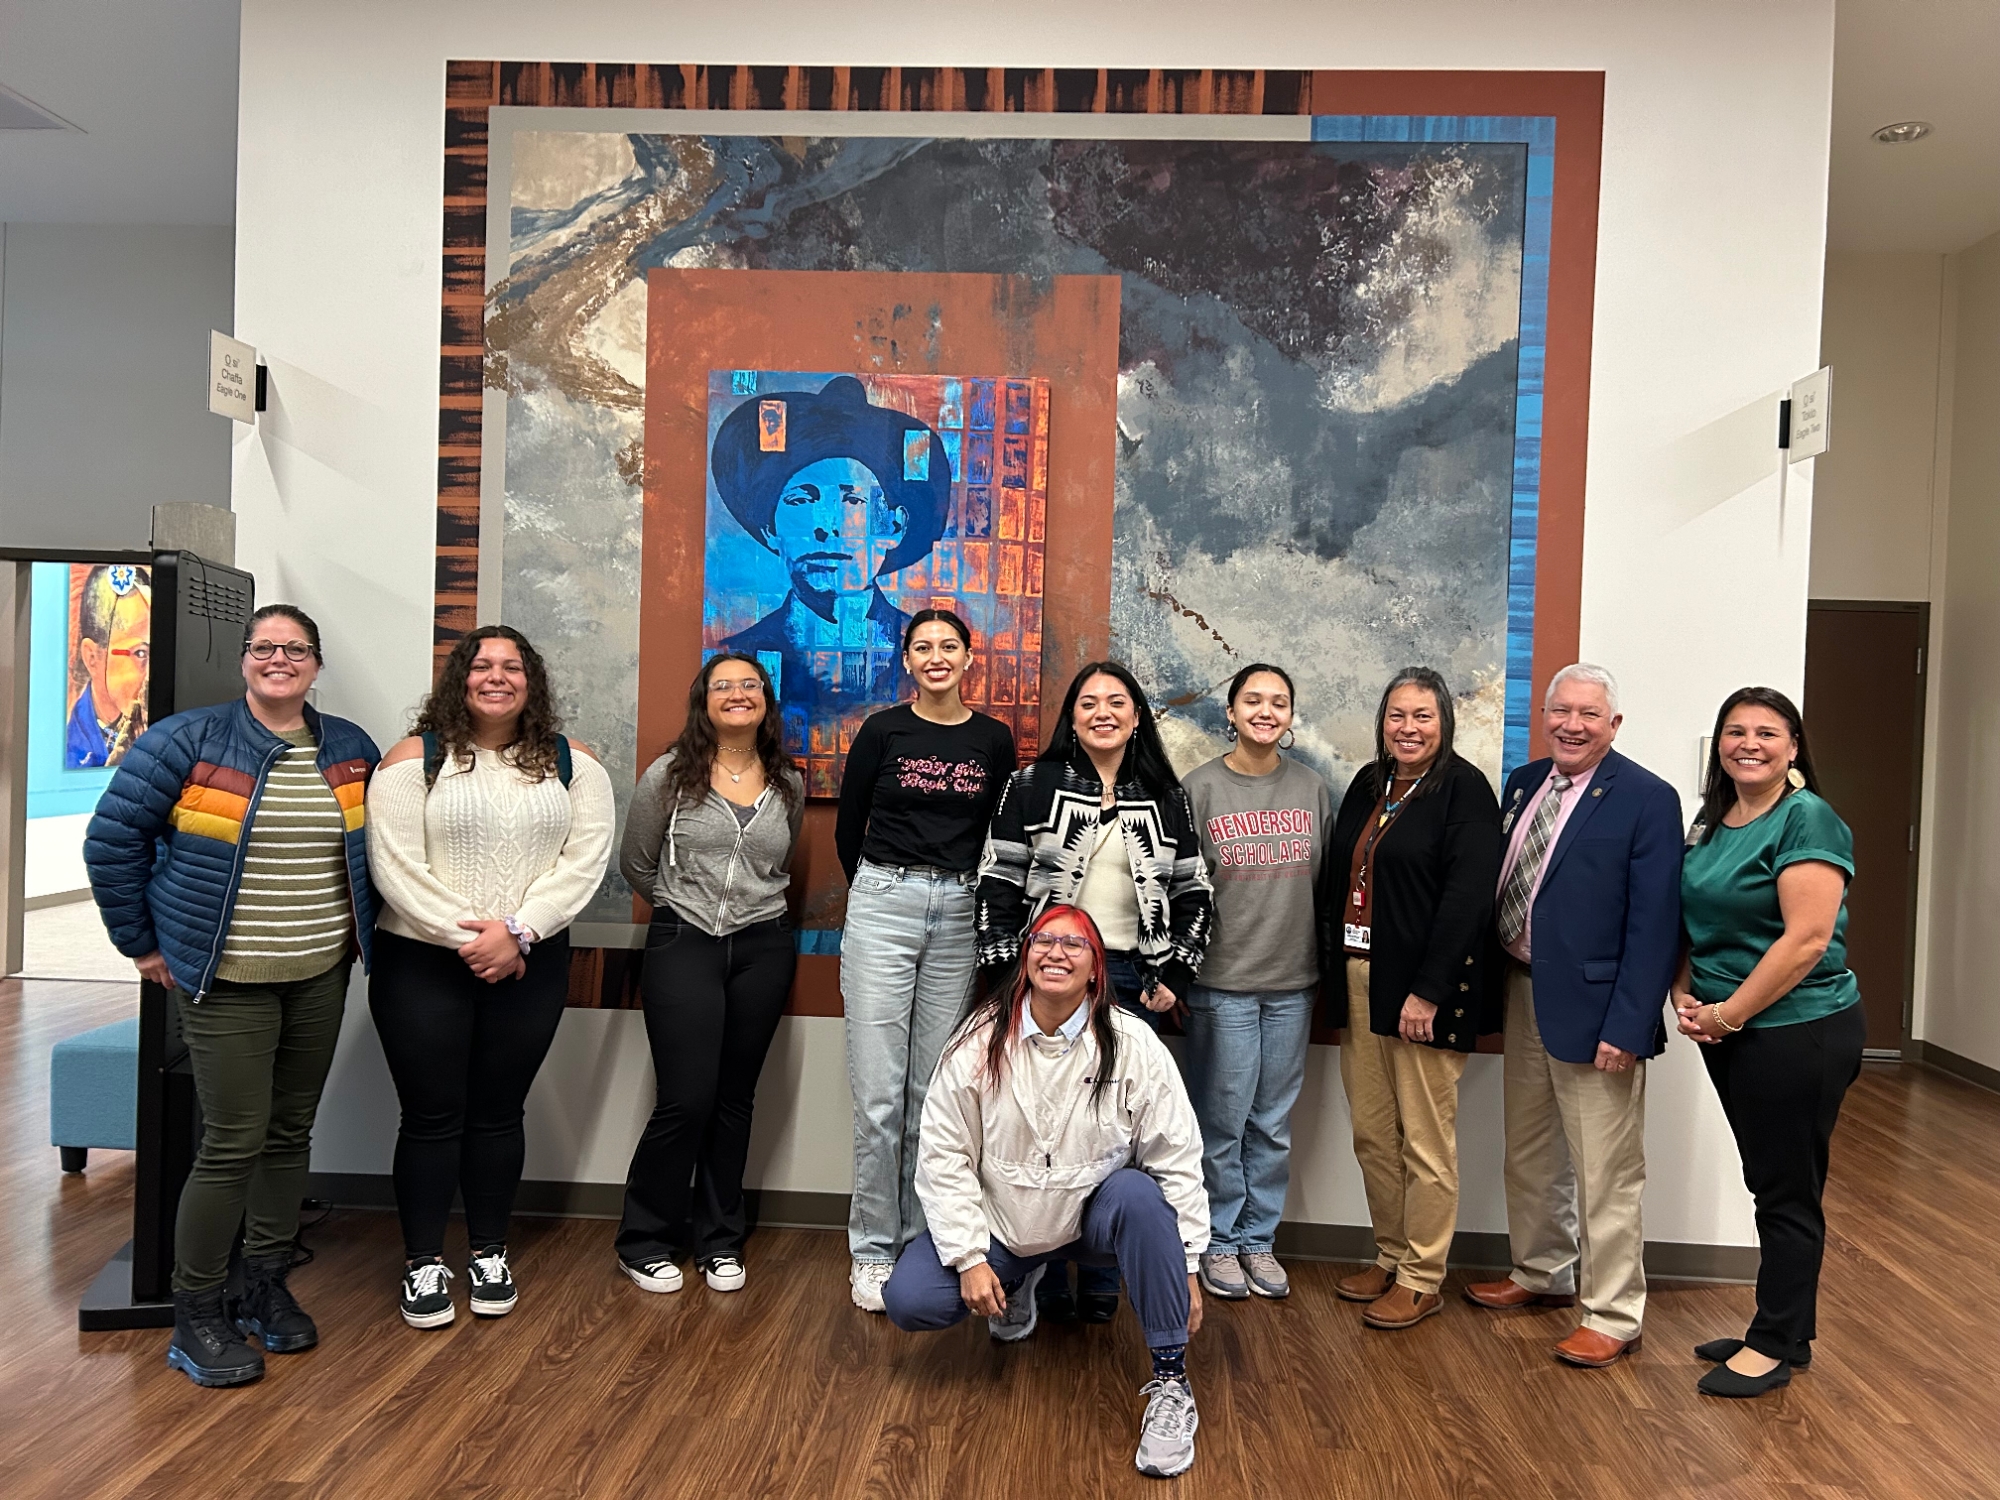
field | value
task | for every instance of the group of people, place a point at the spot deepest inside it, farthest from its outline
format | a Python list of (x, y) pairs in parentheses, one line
[(1015, 937)]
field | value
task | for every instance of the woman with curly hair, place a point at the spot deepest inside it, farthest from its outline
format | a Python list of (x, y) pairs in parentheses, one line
[(487, 834), (708, 840)]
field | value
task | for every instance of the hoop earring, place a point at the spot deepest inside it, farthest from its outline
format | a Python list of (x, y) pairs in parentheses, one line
[(1288, 740)]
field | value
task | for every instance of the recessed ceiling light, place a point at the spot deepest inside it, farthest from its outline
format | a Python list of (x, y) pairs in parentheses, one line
[(1903, 132)]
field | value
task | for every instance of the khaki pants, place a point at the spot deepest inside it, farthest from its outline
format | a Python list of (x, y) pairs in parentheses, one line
[(1403, 1099), (1576, 1161)]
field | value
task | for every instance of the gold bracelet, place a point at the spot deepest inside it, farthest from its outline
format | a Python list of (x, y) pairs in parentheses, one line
[(1722, 1024)]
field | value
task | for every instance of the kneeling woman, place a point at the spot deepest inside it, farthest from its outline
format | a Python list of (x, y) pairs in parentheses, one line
[(1050, 1067)]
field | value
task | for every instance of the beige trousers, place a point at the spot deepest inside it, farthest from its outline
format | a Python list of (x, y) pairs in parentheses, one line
[(1403, 1100), (1576, 1171)]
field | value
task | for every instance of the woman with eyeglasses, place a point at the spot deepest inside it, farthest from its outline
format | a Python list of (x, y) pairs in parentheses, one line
[(709, 840), (489, 832), (228, 860), (1058, 1128), (919, 789), (1099, 821)]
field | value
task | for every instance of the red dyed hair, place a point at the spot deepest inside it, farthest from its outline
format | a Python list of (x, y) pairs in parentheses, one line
[(1003, 1008)]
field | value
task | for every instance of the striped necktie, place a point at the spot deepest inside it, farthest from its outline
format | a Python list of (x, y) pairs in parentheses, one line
[(1521, 880)]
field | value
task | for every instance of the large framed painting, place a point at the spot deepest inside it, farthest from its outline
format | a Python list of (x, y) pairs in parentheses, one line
[(1190, 369)]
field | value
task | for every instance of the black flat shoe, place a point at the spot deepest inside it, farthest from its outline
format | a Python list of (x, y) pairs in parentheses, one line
[(1722, 1351), (1055, 1304), (1723, 1381), (1097, 1307)]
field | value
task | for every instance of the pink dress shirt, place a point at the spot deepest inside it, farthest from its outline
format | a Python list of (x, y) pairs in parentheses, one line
[(1518, 835)]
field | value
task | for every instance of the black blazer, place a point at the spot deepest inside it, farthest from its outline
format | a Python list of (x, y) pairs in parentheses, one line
[(1435, 872)]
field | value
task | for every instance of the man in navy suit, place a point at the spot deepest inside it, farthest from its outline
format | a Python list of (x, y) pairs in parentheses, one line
[(1588, 927)]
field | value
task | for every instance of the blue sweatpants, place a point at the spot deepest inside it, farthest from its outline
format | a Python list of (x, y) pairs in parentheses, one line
[(1127, 1225)]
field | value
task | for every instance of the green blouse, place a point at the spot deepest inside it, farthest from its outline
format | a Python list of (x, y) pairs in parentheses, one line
[(1729, 906)]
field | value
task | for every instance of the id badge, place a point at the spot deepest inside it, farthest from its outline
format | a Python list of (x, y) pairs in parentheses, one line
[(1356, 939)]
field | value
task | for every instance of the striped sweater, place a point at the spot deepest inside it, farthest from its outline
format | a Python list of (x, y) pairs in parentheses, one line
[(293, 918)]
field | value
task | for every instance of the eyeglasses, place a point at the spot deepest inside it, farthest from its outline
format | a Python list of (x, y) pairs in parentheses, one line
[(751, 685), (1073, 943), (265, 650)]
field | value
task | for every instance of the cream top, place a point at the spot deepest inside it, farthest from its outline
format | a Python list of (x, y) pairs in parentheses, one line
[(1108, 891), (486, 842)]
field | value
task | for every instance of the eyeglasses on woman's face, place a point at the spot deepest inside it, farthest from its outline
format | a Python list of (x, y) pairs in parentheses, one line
[(1072, 943), (265, 650), (752, 685)]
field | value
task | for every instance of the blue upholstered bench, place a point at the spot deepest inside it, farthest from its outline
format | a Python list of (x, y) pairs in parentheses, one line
[(94, 1092)]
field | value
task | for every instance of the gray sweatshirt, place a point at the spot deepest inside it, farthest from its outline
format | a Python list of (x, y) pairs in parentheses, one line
[(1263, 839), (716, 871)]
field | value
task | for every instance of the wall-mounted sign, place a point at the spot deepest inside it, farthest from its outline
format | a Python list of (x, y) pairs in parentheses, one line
[(232, 378), (1812, 413)]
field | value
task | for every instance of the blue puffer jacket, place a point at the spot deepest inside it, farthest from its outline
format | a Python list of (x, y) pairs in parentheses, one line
[(165, 848)]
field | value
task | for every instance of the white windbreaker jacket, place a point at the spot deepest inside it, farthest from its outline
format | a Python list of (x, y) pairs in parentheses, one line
[(984, 1172)]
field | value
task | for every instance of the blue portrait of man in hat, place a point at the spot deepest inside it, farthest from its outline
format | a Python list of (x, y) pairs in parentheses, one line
[(844, 494)]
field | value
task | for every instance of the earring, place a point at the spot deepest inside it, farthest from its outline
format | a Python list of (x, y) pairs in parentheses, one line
[(1797, 778), (1288, 741), (1229, 733)]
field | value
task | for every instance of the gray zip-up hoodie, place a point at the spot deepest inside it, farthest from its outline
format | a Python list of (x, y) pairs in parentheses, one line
[(717, 873)]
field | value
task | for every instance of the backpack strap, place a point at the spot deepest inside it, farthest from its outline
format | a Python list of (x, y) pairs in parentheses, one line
[(564, 765)]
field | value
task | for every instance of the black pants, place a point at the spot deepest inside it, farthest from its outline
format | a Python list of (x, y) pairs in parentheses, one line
[(712, 1008), (464, 1054), (1781, 1088)]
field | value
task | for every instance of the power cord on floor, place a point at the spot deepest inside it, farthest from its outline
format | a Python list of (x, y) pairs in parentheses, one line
[(321, 1210)]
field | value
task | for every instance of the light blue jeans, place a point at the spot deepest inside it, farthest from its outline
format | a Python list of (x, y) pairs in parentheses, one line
[(906, 971), (1245, 1061)]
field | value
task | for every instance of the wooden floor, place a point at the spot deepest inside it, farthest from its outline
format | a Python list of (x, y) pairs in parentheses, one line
[(594, 1388)]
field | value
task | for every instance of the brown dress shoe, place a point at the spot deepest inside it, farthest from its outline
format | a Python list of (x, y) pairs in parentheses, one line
[(1364, 1286), (1510, 1293), (1400, 1306), (1593, 1350)]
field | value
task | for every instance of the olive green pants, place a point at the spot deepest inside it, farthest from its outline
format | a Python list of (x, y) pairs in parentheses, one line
[(260, 1054)]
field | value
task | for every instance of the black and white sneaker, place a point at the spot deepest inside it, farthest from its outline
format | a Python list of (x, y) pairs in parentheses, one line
[(723, 1273), (490, 1282), (653, 1275), (427, 1294)]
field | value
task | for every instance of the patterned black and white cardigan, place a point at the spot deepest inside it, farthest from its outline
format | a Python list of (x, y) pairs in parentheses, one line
[(1038, 848)]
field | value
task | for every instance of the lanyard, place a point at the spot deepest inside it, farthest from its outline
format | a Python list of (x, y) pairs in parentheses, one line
[(1359, 895)]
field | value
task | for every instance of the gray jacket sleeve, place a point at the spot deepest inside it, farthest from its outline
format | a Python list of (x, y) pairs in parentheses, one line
[(645, 831)]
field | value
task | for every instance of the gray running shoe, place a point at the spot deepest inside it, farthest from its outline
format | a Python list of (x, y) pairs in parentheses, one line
[(1221, 1276), (1019, 1320), (1166, 1437), (1267, 1277)]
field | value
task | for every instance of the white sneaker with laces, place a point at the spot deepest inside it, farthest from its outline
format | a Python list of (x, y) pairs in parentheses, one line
[(654, 1275), (1019, 1320), (1166, 1435), (865, 1282), (723, 1273)]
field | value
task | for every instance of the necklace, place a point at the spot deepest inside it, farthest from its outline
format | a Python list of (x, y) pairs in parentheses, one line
[(734, 750)]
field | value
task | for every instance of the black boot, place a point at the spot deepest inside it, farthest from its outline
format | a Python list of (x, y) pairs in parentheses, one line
[(267, 1307), (206, 1344)]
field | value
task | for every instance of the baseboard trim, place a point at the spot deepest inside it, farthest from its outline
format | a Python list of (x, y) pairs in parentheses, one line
[(55, 898), (1931, 1055), (783, 1209)]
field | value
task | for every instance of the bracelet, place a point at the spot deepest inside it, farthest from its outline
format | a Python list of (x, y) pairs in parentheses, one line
[(1721, 1023)]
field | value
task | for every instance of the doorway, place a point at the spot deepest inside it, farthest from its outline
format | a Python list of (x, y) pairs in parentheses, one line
[(1865, 672)]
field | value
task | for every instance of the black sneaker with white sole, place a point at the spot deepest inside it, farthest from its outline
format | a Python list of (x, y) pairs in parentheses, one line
[(653, 1275), (427, 1293), (490, 1283)]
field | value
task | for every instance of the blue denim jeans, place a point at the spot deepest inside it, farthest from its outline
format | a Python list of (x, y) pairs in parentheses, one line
[(1122, 969), (1245, 1061), (906, 971)]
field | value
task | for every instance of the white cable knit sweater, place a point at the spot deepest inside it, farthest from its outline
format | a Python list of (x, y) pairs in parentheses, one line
[(486, 843)]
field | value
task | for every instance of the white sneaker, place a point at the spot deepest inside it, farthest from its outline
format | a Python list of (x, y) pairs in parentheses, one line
[(653, 1275), (723, 1273), (1019, 1320), (1166, 1435), (865, 1282)]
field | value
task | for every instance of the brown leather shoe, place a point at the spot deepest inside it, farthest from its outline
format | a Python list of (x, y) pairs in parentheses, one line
[(1400, 1306), (1364, 1286), (1593, 1350), (1510, 1293)]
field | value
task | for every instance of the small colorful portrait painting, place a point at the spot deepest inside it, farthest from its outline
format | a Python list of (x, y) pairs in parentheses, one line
[(110, 661), (838, 505)]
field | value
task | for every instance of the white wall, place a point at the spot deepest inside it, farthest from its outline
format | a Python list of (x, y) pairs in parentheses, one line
[(1961, 1013), (1708, 301), (103, 378)]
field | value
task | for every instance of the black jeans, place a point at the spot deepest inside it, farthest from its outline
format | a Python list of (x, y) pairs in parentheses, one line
[(464, 1054), (712, 1008), (1781, 1088)]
